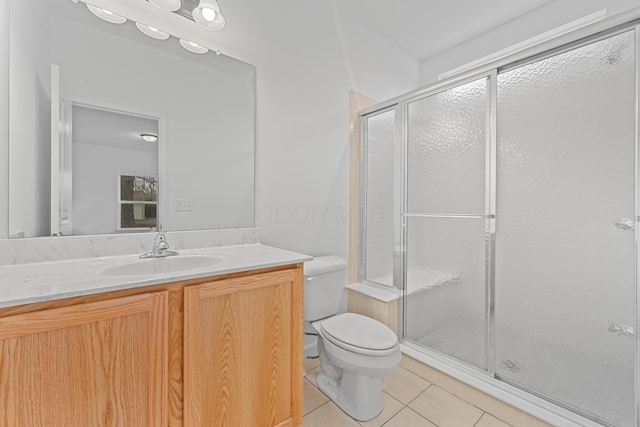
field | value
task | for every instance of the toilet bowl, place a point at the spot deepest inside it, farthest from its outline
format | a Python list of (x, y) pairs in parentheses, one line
[(355, 353)]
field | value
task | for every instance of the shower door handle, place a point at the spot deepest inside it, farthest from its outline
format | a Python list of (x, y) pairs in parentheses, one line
[(625, 224)]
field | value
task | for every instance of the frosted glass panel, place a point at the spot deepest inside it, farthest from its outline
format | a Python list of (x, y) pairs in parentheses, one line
[(447, 135), (445, 302), (379, 197), (565, 238)]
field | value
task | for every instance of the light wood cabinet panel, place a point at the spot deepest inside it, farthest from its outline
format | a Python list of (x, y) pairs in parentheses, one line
[(159, 355), (243, 351), (94, 364)]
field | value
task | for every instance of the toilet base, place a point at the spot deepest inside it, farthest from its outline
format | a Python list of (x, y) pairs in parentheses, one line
[(359, 395)]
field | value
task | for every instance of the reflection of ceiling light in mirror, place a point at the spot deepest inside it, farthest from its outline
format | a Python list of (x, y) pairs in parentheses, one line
[(208, 15), (169, 5), (148, 137), (192, 47), (152, 32), (107, 15)]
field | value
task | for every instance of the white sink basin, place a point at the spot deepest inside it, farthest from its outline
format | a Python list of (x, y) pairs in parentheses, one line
[(163, 265)]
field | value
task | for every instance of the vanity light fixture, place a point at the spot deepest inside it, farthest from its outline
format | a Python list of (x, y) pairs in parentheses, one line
[(168, 5), (193, 47), (152, 32), (208, 15), (106, 15), (148, 137)]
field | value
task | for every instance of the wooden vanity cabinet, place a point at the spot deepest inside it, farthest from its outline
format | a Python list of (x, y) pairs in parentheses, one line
[(243, 351), (222, 351), (94, 364)]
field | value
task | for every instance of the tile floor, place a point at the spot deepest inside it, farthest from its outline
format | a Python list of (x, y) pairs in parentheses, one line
[(410, 401)]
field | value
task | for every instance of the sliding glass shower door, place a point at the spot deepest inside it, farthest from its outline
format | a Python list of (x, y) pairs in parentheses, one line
[(519, 224), (565, 228), (447, 221)]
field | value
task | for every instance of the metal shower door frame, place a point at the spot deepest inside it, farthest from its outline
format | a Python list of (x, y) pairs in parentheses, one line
[(489, 203)]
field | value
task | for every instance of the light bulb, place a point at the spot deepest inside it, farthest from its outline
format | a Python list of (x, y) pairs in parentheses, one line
[(208, 14), (106, 15), (152, 32), (193, 47)]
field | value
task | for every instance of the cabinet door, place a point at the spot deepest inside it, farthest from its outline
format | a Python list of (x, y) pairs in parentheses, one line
[(243, 351), (93, 364)]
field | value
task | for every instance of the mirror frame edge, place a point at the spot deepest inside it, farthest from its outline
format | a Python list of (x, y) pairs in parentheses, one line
[(4, 118)]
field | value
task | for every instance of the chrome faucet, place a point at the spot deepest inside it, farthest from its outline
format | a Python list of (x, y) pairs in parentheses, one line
[(160, 247)]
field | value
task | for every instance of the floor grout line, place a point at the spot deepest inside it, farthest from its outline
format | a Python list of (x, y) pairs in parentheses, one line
[(403, 405), (315, 409)]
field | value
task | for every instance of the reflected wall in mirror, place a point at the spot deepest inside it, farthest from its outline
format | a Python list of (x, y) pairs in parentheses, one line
[(204, 105), (114, 172)]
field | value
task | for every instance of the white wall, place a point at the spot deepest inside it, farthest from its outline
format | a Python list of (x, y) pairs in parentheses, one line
[(548, 17), (308, 56), (4, 116), (29, 128)]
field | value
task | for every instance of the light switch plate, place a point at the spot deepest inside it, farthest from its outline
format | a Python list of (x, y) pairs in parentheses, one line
[(184, 205)]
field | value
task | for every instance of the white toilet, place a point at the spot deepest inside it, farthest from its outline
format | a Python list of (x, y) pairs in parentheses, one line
[(355, 351)]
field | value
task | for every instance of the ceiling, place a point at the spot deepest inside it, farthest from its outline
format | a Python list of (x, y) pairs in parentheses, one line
[(105, 127), (418, 27)]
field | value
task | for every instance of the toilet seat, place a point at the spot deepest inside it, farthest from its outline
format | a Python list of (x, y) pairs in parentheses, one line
[(360, 334)]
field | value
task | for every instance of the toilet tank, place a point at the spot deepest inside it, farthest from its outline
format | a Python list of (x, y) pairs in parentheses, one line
[(324, 281)]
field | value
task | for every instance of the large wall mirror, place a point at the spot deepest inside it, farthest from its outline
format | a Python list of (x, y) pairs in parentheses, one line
[(99, 86)]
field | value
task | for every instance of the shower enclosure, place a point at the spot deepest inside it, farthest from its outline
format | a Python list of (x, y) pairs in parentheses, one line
[(504, 205)]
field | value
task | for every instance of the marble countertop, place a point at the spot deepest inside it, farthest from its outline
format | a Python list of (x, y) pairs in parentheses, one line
[(43, 281)]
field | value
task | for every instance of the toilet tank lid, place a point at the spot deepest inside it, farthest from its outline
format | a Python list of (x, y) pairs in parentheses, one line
[(324, 264)]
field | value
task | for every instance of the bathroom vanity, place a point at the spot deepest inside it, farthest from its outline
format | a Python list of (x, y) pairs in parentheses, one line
[(217, 345)]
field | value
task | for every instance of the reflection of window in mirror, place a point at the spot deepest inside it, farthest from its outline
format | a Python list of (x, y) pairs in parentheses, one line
[(138, 202)]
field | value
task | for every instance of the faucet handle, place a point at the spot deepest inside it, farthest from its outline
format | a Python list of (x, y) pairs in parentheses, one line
[(160, 246), (160, 243)]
